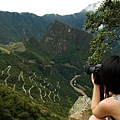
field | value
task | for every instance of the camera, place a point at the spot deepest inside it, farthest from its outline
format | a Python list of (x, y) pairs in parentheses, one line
[(96, 72)]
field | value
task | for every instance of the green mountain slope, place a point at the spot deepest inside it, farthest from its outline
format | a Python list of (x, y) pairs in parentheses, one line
[(43, 77), (35, 78), (14, 25), (14, 106), (66, 45)]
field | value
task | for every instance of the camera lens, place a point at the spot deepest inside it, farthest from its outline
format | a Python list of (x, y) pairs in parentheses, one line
[(89, 69)]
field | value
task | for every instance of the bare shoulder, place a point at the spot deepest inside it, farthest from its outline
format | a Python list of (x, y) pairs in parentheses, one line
[(111, 101), (110, 104), (107, 107)]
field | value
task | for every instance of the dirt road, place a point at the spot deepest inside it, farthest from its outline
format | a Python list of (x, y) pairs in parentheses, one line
[(77, 89)]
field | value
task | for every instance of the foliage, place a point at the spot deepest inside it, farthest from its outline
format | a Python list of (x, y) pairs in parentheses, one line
[(15, 71), (104, 23), (14, 106)]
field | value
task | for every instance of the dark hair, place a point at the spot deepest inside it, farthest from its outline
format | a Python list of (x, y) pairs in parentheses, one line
[(110, 74)]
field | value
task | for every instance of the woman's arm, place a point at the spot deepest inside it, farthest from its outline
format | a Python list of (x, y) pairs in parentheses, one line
[(99, 108), (96, 93), (96, 96)]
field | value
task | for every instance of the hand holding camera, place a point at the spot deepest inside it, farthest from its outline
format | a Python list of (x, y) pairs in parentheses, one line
[(94, 71)]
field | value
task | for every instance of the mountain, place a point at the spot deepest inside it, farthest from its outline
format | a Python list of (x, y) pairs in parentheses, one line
[(74, 20), (15, 25), (92, 7), (36, 73), (63, 41)]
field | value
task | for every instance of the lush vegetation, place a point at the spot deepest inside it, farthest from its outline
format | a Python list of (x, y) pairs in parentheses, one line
[(16, 71), (34, 79), (104, 23), (14, 106)]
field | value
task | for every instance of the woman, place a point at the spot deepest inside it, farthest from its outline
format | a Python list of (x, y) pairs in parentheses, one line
[(108, 108)]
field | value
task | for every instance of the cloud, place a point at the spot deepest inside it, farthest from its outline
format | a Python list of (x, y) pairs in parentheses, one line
[(41, 7)]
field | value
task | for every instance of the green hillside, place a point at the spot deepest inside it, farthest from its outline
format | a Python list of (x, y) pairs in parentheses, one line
[(15, 106), (28, 70)]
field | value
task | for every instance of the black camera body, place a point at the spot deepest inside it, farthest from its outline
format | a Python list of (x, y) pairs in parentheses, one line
[(96, 72)]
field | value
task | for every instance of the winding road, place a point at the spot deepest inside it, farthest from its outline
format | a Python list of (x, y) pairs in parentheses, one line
[(77, 89), (45, 90)]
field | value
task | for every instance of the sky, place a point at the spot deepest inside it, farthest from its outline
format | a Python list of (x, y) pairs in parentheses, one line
[(42, 7)]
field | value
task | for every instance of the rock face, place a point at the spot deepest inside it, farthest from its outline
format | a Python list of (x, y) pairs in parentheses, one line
[(81, 109), (64, 43), (61, 38)]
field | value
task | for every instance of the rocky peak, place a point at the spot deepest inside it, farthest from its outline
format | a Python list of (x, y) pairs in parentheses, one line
[(61, 37), (81, 109)]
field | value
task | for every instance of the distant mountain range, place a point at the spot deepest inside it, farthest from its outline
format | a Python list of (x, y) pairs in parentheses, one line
[(15, 25)]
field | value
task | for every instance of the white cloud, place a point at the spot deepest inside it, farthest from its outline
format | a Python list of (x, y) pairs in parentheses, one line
[(41, 7)]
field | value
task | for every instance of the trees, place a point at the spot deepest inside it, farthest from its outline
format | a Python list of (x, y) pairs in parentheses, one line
[(104, 24)]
